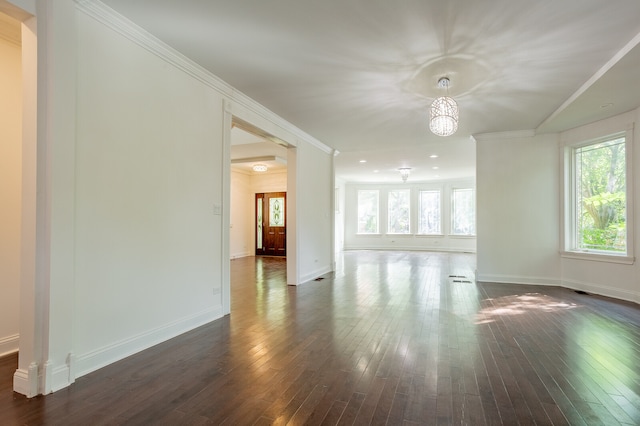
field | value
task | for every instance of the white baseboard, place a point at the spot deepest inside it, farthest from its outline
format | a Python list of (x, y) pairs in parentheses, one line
[(25, 382), (9, 344), (599, 289), (59, 377), (239, 255), (315, 274), (411, 248), (518, 279), (616, 293), (91, 361)]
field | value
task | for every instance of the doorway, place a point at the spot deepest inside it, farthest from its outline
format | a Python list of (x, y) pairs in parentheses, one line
[(271, 224)]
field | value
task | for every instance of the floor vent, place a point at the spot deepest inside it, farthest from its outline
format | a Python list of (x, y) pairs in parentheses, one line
[(319, 279), (581, 292), (462, 281)]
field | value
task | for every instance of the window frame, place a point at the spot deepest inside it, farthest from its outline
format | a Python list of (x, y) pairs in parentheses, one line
[(569, 209), (419, 212), (452, 214), (388, 229), (377, 232)]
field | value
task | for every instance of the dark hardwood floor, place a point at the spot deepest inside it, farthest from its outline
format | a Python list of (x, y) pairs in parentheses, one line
[(390, 338)]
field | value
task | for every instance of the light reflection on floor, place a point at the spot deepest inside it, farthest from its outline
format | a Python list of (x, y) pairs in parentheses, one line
[(520, 304)]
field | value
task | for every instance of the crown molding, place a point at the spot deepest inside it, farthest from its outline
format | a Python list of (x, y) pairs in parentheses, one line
[(519, 134), (127, 28)]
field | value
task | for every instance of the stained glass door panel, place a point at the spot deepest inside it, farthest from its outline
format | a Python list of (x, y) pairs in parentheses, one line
[(271, 224)]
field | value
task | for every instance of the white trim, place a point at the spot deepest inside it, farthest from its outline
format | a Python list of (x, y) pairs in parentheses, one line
[(241, 254), (598, 257), (94, 360), (631, 296), (519, 134), (25, 382), (33, 279), (113, 20), (578, 139), (603, 290), (595, 77), (60, 377), (315, 274), (225, 190), (410, 248), (9, 344), (518, 279), (47, 377)]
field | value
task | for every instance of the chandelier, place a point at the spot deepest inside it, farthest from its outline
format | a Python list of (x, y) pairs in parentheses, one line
[(443, 114), (404, 173)]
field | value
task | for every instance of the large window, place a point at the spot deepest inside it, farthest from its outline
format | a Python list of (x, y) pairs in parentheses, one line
[(368, 211), (463, 211), (429, 222), (598, 197), (399, 205)]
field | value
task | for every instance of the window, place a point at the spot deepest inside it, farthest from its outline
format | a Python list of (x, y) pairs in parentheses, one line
[(598, 197), (398, 211), (368, 211), (429, 220), (276, 212), (463, 212)]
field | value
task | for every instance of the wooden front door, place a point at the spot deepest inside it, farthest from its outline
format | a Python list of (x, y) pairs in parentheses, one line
[(271, 224)]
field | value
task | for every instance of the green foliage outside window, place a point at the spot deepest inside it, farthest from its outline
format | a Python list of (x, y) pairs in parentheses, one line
[(601, 196)]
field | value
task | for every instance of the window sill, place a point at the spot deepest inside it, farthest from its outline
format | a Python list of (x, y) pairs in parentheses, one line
[(599, 257), (462, 236)]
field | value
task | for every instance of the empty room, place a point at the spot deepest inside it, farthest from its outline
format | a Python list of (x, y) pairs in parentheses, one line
[(319, 212)]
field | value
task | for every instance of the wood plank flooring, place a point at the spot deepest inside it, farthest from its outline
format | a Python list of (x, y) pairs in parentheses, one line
[(397, 338)]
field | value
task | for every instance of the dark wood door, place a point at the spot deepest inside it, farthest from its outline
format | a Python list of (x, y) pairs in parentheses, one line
[(271, 224)]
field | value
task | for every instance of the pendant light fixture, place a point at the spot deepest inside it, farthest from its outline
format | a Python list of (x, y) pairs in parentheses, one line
[(404, 173), (443, 114)]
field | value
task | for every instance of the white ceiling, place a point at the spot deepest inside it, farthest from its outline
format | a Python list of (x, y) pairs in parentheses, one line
[(248, 149), (359, 75)]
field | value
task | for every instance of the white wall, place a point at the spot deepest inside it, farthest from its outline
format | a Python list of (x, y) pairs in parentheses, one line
[(518, 191), (412, 241), (244, 186), (132, 227), (611, 279), (315, 212), (10, 193), (269, 182), (148, 175), (520, 216), (241, 216)]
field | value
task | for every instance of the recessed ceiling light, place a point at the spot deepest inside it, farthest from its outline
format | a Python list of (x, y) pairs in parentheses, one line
[(436, 168), (433, 156), (376, 171), (363, 161)]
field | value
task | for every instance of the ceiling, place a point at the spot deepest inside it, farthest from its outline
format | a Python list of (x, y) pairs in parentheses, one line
[(10, 29), (250, 149), (359, 75)]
